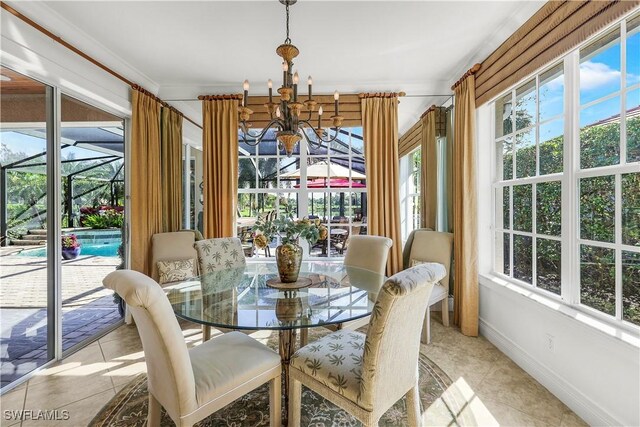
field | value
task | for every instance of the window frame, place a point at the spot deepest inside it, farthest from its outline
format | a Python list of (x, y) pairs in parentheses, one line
[(303, 192), (569, 179)]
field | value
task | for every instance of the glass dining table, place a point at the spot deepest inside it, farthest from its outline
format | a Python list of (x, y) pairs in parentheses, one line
[(241, 299)]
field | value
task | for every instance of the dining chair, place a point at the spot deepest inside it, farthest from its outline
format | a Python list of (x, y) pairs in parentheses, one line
[(224, 253), (173, 246), (366, 374), (192, 384), (425, 245), (367, 253)]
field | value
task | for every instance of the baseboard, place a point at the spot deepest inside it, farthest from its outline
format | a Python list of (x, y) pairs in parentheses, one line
[(584, 407)]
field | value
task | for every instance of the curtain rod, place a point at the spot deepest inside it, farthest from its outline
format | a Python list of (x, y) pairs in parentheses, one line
[(77, 51), (469, 72), (199, 98)]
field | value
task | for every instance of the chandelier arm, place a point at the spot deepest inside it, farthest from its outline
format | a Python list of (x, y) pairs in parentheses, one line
[(337, 131), (257, 138)]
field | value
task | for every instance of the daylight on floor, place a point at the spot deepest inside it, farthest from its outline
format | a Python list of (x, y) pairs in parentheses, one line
[(310, 213)]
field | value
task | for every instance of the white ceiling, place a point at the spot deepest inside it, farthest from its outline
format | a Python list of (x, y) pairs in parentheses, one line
[(186, 48)]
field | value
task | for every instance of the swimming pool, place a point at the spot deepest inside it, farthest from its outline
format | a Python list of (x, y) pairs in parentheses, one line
[(94, 242)]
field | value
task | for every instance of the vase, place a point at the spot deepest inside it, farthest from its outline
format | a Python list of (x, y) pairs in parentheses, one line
[(70, 253), (288, 259)]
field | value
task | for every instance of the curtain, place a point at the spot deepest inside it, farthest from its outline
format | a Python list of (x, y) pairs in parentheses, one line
[(380, 133), (429, 172), (146, 189), (465, 294), (220, 152), (171, 172), (448, 170)]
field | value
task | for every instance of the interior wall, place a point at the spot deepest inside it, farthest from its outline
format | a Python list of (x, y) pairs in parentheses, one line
[(594, 369)]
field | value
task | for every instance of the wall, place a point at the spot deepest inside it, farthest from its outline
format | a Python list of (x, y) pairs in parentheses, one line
[(592, 367)]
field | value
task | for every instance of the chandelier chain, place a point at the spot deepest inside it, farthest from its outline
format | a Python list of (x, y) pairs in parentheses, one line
[(287, 40)]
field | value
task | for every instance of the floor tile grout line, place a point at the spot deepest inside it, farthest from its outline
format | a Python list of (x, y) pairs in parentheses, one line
[(104, 358)]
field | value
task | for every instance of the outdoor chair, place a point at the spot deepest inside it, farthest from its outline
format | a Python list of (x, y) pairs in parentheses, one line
[(376, 369), (425, 245), (192, 384)]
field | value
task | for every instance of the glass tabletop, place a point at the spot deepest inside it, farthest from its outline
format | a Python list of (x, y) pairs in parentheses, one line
[(241, 299)]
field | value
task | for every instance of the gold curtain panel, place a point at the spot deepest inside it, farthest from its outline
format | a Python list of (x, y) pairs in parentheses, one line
[(220, 175), (171, 140), (146, 188), (380, 132), (554, 30), (465, 215)]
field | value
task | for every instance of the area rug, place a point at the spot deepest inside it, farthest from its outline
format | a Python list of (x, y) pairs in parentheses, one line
[(129, 407)]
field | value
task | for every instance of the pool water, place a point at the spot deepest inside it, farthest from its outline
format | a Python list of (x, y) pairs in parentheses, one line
[(94, 243), (105, 249)]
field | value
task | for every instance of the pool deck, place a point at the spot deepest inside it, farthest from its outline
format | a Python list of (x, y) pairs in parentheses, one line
[(87, 307)]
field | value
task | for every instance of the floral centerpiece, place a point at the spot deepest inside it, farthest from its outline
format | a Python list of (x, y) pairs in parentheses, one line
[(290, 230), (70, 246)]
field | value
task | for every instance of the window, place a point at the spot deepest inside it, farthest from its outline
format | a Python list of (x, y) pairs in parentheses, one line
[(567, 195), (325, 183), (410, 204)]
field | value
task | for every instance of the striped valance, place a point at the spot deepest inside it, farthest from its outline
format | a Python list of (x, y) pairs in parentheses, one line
[(554, 30), (410, 139)]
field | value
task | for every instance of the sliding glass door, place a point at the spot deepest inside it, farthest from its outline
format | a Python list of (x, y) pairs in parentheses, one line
[(61, 218), (92, 215), (25, 312)]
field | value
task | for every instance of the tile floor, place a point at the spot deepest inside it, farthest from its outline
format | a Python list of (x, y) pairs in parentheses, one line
[(488, 389)]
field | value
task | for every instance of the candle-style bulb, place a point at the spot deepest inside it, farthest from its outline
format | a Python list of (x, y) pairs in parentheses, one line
[(309, 81), (336, 95), (285, 66), (320, 111), (278, 111), (245, 85), (270, 84), (296, 78)]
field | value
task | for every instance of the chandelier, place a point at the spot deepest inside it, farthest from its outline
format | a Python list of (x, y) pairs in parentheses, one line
[(293, 117)]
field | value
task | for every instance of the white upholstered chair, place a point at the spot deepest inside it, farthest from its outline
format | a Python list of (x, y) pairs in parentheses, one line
[(366, 374), (192, 384), (174, 246), (214, 255), (368, 253), (424, 245)]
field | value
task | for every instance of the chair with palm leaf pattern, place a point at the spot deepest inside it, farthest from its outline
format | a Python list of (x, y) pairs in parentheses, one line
[(214, 255)]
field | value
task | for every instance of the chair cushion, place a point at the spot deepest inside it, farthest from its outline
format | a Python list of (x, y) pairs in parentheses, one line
[(335, 361), (173, 271), (228, 361), (219, 254), (170, 247)]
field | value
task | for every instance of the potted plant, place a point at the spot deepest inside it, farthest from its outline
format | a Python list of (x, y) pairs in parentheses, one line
[(70, 246), (289, 253)]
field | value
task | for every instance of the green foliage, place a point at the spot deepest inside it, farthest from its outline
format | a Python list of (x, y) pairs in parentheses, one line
[(107, 219), (599, 146), (290, 230)]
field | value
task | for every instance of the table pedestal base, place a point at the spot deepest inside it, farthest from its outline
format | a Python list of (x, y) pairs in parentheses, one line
[(287, 347)]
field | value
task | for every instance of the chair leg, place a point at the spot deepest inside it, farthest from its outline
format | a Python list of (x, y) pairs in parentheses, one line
[(275, 402), (445, 311), (413, 406), (206, 333), (426, 327), (304, 337), (295, 398), (153, 418)]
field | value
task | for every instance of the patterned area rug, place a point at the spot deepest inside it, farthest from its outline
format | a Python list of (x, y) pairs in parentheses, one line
[(129, 407)]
